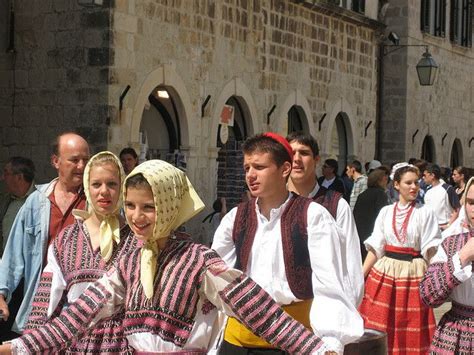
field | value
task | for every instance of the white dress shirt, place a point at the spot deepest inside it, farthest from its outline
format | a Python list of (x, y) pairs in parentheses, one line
[(333, 315)]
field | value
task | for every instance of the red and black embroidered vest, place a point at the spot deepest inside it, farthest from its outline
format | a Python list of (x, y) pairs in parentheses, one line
[(294, 239), (328, 199)]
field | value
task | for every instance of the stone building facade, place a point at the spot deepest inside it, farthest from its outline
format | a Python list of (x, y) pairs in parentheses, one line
[(435, 122), (157, 75)]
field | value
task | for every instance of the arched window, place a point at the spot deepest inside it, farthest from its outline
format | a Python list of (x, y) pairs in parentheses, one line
[(160, 125), (456, 154), (428, 149), (340, 144), (230, 172), (294, 120)]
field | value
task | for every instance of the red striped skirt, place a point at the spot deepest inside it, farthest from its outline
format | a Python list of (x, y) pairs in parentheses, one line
[(392, 302), (455, 331)]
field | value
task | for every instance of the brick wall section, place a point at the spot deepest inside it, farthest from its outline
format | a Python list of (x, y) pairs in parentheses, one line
[(60, 79), (6, 82)]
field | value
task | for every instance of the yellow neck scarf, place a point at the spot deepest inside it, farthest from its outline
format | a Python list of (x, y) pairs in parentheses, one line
[(176, 202), (109, 228)]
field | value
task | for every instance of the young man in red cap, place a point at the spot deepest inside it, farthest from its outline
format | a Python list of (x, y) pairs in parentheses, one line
[(290, 246)]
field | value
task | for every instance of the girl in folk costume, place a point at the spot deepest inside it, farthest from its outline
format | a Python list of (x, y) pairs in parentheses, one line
[(450, 276), (170, 287), (83, 252), (404, 238)]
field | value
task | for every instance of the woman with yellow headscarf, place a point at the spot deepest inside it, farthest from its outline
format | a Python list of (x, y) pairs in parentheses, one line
[(171, 287), (83, 252)]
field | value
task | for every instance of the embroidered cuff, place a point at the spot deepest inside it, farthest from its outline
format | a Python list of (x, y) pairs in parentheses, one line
[(461, 273), (331, 344), (17, 347)]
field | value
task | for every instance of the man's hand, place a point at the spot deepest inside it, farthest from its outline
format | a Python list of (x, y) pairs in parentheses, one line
[(4, 312)]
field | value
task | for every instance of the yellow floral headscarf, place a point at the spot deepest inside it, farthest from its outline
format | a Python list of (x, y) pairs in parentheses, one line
[(109, 228), (176, 202)]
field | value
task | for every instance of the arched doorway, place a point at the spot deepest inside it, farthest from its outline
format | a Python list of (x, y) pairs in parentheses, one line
[(456, 154), (297, 120), (340, 141), (160, 128), (230, 172), (428, 152)]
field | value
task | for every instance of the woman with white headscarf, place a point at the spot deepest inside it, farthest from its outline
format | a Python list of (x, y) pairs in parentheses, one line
[(170, 287), (450, 277), (83, 252), (404, 238)]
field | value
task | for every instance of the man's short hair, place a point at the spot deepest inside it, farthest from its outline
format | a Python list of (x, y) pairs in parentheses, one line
[(305, 139), (263, 144), (55, 142), (128, 150), (356, 165), (434, 169), (333, 164), (23, 166)]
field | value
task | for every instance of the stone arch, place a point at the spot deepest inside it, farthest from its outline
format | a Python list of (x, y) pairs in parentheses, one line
[(295, 98), (239, 90), (342, 109), (167, 77)]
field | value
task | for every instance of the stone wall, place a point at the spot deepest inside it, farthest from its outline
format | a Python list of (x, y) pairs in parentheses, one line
[(56, 80), (267, 48), (447, 107)]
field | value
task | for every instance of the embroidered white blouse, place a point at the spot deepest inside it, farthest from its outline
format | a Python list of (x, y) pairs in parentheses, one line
[(422, 234)]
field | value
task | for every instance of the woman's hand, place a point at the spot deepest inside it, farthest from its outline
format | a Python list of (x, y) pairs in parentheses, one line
[(5, 349), (466, 254)]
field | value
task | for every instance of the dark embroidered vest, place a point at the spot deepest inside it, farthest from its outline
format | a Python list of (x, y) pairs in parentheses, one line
[(294, 238), (328, 199)]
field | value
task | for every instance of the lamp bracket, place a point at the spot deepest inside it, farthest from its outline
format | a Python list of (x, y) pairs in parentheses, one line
[(122, 97), (321, 121), (366, 128), (414, 135), (470, 141), (270, 113), (443, 138), (204, 104), (396, 47)]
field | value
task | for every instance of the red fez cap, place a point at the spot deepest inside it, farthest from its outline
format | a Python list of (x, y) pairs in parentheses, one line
[(282, 141)]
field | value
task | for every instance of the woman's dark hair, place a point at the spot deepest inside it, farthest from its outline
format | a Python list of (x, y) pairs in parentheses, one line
[(130, 151), (461, 170), (137, 181)]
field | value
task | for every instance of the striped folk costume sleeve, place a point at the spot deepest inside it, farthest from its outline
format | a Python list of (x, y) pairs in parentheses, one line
[(440, 280), (97, 302)]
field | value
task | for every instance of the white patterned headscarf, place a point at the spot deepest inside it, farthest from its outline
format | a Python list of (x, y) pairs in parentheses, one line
[(109, 228), (176, 202)]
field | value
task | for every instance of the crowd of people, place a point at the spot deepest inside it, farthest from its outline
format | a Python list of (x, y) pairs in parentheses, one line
[(98, 261)]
